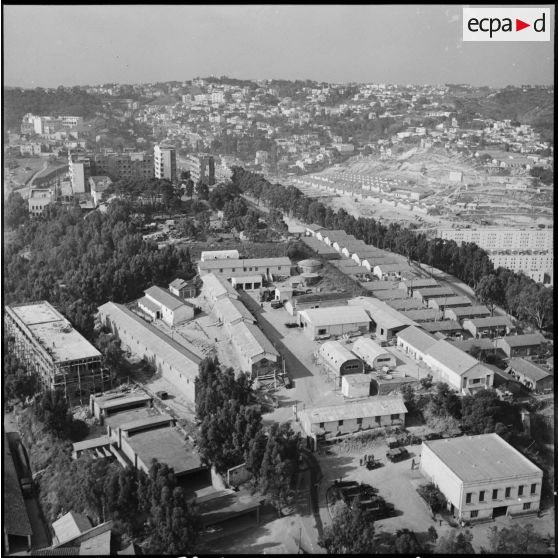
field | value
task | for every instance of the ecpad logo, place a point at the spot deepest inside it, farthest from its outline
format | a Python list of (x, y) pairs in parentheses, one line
[(506, 24)]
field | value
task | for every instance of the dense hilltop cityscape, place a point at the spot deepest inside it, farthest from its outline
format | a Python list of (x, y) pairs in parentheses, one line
[(272, 316)]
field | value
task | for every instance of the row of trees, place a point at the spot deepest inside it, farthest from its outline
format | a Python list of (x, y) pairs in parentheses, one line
[(231, 433), (521, 296), (352, 531), (78, 263)]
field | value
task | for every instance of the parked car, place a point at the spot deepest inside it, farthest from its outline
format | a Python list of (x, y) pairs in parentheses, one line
[(397, 454), (291, 324), (162, 394), (276, 304)]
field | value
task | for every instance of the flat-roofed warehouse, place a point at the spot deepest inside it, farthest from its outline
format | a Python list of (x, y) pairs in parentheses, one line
[(176, 363), (482, 476), (47, 344), (323, 423), (386, 320), (375, 356), (335, 320)]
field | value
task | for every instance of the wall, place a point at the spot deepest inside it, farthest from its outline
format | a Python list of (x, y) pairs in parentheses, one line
[(350, 425), (446, 374)]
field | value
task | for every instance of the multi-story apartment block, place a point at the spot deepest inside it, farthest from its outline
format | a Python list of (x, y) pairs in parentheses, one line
[(114, 165), (48, 345), (39, 198), (201, 167), (528, 250), (165, 163)]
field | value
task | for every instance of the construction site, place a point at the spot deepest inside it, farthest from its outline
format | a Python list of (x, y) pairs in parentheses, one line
[(431, 187)]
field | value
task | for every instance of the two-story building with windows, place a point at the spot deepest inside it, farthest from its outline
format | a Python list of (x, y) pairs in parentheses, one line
[(482, 476)]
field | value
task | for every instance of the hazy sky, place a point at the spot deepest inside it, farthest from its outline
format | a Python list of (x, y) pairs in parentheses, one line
[(46, 45)]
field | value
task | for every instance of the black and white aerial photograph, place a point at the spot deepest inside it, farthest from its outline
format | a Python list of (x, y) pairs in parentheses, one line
[(277, 279)]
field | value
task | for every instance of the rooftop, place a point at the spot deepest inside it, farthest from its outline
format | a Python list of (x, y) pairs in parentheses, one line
[(232, 310), (124, 417), (154, 421), (165, 298), (336, 315), (483, 457), (381, 312), (69, 526), (449, 300), (53, 332), (528, 369), (418, 283), (434, 292), (417, 337), (115, 400), (166, 445), (337, 351), (368, 349), (321, 297), (526, 340), (357, 379), (447, 354), (442, 325), (490, 321), (218, 285), (470, 310), (374, 406), (251, 339), (245, 263)]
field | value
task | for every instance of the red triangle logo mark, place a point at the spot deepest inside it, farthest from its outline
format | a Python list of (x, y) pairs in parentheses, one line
[(519, 25)]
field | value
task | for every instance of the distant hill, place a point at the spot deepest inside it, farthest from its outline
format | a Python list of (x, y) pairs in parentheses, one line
[(62, 101), (533, 106)]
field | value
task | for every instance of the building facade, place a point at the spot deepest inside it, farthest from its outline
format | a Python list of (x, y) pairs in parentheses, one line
[(164, 160), (482, 477)]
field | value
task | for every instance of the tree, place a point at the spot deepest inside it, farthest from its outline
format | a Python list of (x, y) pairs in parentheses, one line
[(483, 410), (351, 532), (202, 190), (454, 543), (536, 304), (432, 496), (490, 292), (51, 408), (189, 188), (16, 211), (519, 540)]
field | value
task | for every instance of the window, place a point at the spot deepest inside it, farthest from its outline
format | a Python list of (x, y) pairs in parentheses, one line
[(321, 331), (508, 492), (527, 506), (520, 490), (359, 420), (481, 496), (395, 417), (534, 488), (233, 269), (495, 494), (378, 420), (340, 423), (220, 271), (468, 497), (476, 380), (321, 424), (474, 514)]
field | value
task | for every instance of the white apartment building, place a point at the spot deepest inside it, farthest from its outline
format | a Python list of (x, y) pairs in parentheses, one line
[(499, 239), (165, 163), (537, 265)]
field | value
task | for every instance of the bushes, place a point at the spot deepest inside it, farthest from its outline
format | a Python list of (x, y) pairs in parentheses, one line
[(432, 496)]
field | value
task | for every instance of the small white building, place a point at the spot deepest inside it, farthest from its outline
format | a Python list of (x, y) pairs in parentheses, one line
[(161, 304), (355, 385), (375, 356), (247, 282), (208, 255), (335, 320), (324, 423), (482, 476), (458, 369)]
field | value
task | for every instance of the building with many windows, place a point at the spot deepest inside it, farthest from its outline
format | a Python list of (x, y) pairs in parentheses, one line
[(165, 162), (482, 476), (49, 346), (202, 168)]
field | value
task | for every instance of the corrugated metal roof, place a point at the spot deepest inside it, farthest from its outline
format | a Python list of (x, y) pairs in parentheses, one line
[(404, 304), (464, 311), (442, 325), (336, 352), (372, 407), (334, 315), (368, 349), (485, 457), (490, 321)]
